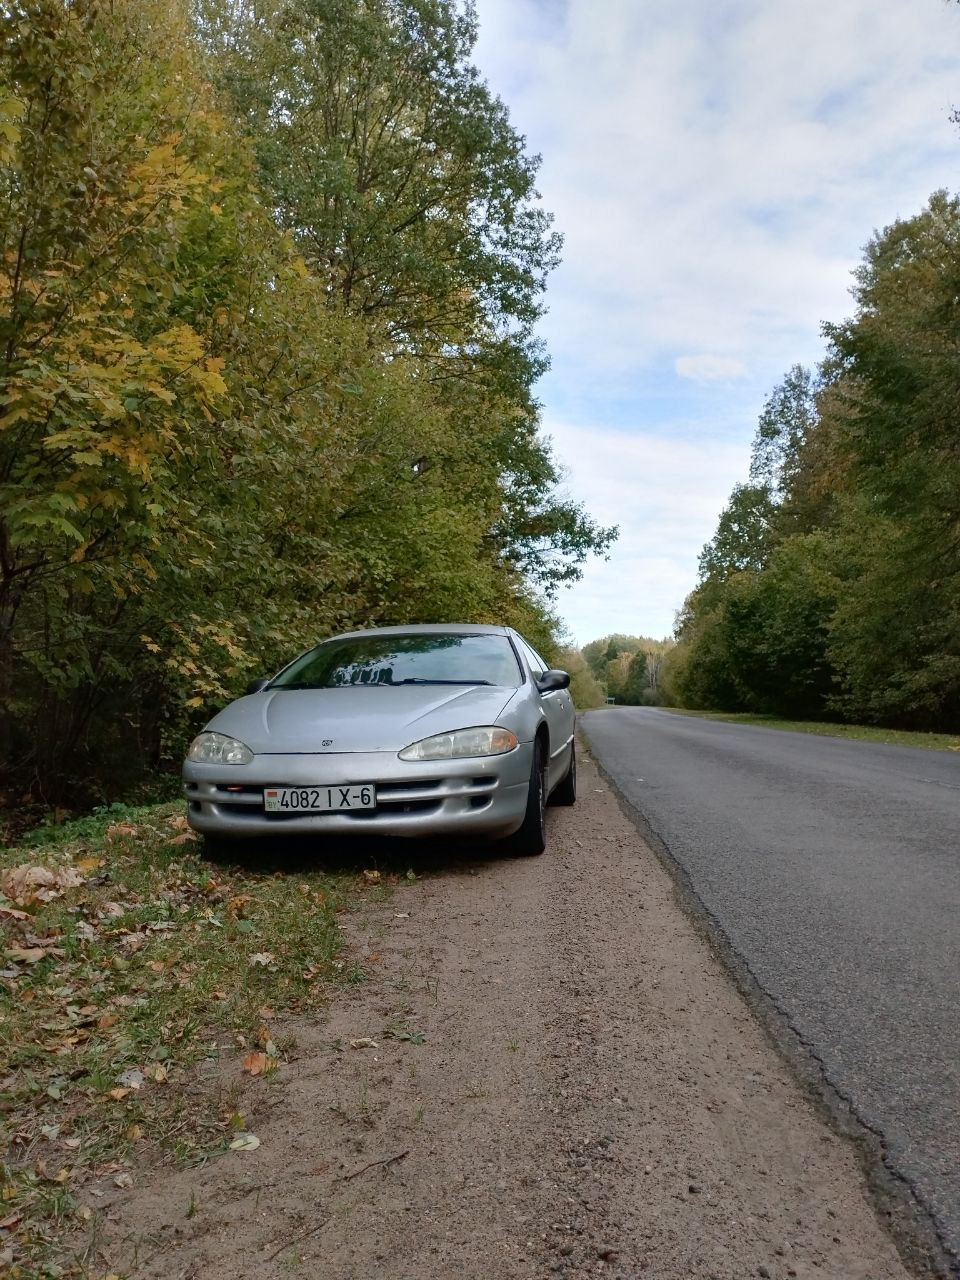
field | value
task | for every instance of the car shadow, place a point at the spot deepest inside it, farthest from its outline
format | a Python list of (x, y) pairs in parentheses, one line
[(293, 855)]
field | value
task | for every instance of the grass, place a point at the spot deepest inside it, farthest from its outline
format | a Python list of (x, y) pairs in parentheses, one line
[(126, 961), (858, 732)]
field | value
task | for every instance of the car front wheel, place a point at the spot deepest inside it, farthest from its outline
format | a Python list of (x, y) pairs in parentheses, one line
[(565, 792), (531, 838)]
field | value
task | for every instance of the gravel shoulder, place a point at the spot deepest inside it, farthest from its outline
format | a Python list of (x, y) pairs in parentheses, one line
[(559, 1079)]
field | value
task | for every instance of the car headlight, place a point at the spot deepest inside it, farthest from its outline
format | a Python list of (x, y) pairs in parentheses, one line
[(218, 748), (488, 740)]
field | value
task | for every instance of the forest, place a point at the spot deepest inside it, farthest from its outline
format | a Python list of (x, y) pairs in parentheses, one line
[(271, 275), (831, 587)]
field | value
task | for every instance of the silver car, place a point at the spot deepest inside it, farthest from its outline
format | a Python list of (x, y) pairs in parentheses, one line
[(403, 731)]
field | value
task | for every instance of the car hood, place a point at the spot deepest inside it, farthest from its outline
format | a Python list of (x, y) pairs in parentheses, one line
[(364, 718)]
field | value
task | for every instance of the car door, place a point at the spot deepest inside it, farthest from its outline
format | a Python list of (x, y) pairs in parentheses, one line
[(559, 711)]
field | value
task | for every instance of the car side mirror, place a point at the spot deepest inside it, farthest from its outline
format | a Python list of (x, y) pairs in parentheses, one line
[(553, 680), (256, 685)]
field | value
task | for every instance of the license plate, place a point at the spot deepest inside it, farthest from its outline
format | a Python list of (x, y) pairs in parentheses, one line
[(318, 799)]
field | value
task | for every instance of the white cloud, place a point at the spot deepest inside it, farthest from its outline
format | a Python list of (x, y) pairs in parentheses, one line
[(698, 172), (707, 368), (663, 489), (716, 168)]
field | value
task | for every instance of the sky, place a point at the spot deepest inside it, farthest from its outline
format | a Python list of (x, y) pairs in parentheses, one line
[(715, 168)]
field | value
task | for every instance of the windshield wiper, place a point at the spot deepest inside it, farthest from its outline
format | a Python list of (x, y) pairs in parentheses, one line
[(378, 684), (421, 680)]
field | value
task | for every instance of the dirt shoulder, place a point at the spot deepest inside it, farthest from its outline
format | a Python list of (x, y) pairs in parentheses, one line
[(553, 1077)]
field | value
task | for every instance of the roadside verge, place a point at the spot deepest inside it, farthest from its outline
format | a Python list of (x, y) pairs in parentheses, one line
[(544, 1072)]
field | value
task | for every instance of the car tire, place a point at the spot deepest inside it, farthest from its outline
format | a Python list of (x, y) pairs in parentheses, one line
[(565, 792), (531, 838)]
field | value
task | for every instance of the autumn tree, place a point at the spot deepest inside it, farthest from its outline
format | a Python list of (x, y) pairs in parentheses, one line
[(271, 275), (832, 585)]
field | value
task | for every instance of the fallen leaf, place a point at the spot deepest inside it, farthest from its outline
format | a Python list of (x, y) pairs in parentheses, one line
[(123, 1180), (10, 1221), (371, 877), (132, 1077), (12, 913), (157, 1073), (27, 883), (42, 940), (255, 1064), (107, 1020), (364, 1043), (245, 1142), (179, 823), (89, 864), (263, 958), (120, 830), (134, 1133), (411, 1037), (118, 1094), (31, 955), (184, 839)]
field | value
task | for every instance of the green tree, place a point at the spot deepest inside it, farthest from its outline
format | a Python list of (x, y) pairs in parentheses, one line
[(788, 418), (637, 683), (897, 632), (744, 535), (108, 377), (413, 203), (259, 382), (586, 690)]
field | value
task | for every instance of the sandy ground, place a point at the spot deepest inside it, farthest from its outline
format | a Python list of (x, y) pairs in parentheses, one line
[(584, 1093)]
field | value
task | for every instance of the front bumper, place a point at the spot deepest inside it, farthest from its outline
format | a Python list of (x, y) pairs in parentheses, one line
[(484, 795)]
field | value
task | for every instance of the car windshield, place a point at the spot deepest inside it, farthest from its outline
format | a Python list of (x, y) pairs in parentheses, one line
[(424, 658)]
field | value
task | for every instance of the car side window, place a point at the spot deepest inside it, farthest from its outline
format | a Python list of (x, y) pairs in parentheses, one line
[(536, 663)]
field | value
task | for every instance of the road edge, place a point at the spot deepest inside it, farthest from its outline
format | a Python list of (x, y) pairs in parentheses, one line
[(899, 1209)]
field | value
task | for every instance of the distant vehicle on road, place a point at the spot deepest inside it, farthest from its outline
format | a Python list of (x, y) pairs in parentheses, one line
[(432, 730)]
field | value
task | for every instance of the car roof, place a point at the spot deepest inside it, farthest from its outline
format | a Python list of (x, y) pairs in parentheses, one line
[(434, 628)]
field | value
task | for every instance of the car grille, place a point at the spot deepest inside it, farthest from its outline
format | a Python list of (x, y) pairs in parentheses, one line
[(424, 795)]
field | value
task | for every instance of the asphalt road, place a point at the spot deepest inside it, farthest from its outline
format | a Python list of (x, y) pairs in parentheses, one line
[(833, 868)]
